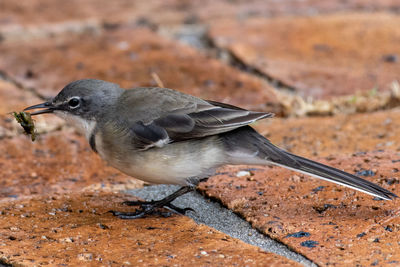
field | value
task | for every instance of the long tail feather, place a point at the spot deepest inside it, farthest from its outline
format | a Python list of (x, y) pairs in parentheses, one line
[(246, 146), (330, 174)]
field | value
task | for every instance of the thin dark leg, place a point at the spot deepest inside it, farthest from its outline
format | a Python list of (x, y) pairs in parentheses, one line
[(147, 207)]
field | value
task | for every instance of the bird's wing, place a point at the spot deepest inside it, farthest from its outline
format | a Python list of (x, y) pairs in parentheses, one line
[(206, 119)]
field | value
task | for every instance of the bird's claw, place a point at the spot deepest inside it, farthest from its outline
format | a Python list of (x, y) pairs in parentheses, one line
[(178, 210), (149, 207), (128, 215), (138, 203)]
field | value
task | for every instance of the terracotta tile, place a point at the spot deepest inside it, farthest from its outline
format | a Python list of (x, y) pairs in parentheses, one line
[(13, 98), (26, 13), (327, 223), (120, 56), (170, 11), (341, 134), (60, 161), (210, 10), (320, 56), (76, 229)]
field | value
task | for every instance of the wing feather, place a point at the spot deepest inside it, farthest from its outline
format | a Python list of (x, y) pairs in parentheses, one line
[(204, 120)]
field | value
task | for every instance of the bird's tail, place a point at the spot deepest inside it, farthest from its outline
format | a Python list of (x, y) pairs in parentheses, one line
[(334, 175), (262, 149)]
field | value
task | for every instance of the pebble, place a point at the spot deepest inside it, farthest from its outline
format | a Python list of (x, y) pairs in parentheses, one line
[(243, 173)]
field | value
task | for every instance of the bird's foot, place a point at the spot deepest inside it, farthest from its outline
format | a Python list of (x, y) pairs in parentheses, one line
[(149, 207), (138, 203)]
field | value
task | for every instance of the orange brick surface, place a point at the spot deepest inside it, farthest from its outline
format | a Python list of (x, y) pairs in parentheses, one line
[(55, 192), (320, 56), (121, 56), (328, 223), (76, 229)]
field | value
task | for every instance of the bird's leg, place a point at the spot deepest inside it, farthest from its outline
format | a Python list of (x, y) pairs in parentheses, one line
[(183, 190), (147, 207)]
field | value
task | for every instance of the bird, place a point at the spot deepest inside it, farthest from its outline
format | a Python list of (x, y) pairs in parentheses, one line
[(163, 136)]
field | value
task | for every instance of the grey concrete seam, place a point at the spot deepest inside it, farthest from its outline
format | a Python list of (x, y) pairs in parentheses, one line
[(238, 63), (197, 36), (218, 217), (4, 263)]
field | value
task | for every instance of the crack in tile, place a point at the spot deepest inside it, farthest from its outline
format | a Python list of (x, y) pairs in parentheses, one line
[(240, 64), (43, 128), (6, 77), (395, 215), (211, 213), (197, 36)]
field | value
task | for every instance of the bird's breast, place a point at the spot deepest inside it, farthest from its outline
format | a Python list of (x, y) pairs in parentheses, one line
[(172, 164)]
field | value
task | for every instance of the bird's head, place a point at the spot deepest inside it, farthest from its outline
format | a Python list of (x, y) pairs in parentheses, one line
[(81, 102)]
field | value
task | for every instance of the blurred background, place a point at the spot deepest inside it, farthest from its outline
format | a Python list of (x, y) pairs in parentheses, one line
[(293, 57)]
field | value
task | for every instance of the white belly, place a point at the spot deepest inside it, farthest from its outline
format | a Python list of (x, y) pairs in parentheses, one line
[(172, 164)]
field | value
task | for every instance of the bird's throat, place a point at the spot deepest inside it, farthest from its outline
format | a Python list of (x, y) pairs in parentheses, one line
[(83, 126)]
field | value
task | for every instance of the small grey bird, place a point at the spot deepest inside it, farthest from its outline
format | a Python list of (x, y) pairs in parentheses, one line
[(163, 136)]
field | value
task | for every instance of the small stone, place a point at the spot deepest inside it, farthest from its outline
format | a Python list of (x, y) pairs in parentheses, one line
[(388, 228), (103, 226), (366, 173), (123, 45), (85, 256), (390, 58), (309, 244), (66, 240), (295, 178), (361, 235), (299, 234), (375, 263), (243, 173), (317, 189)]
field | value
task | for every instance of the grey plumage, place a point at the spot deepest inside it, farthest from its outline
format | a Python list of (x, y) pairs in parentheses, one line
[(189, 119), (163, 136)]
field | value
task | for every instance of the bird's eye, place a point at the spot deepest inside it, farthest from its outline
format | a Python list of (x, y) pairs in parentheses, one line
[(74, 102)]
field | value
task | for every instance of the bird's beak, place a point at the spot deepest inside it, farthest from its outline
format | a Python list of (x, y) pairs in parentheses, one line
[(46, 107)]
